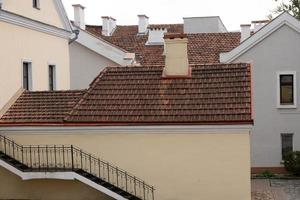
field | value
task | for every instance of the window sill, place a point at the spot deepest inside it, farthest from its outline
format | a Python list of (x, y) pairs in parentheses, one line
[(287, 106)]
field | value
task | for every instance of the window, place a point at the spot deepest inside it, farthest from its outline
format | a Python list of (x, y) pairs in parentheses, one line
[(287, 90), (36, 4), (27, 75), (286, 143), (52, 77)]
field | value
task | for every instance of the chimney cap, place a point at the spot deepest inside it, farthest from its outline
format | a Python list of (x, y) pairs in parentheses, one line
[(245, 25), (78, 5), (143, 16), (108, 17), (175, 35), (260, 21)]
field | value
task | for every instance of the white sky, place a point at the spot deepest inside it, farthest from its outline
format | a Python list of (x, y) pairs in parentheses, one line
[(232, 12)]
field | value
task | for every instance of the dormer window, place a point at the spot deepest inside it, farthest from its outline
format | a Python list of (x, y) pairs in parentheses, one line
[(36, 4), (287, 97)]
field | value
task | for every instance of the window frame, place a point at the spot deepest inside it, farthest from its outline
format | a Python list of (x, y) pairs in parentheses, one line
[(53, 78), (281, 138), (29, 62), (294, 105)]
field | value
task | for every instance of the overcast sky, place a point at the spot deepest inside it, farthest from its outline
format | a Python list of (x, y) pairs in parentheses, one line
[(232, 12)]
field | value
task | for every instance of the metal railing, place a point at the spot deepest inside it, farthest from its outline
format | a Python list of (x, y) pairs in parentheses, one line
[(51, 158)]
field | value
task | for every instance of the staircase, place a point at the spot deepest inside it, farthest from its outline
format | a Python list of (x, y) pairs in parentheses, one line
[(67, 158)]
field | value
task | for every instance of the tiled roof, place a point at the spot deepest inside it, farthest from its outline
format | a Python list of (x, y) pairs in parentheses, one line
[(50, 106), (202, 47), (214, 94)]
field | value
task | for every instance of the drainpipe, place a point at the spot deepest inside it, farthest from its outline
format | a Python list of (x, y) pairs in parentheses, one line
[(76, 32)]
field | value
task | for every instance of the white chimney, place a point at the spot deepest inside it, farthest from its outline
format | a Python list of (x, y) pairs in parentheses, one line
[(176, 56), (79, 16), (108, 26), (245, 31), (156, 36), (143, 24), (259, 24)]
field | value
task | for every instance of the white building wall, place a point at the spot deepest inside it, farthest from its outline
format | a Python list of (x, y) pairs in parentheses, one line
[(279, 52), (85, 65)]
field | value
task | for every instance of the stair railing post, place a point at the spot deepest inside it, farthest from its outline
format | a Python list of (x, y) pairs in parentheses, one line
[(13, 146), (117, 173), (134, 186), (5, 145), (107, 172), (144, 190), (152, 188), (126, 185), (90, 158), (72, 157)]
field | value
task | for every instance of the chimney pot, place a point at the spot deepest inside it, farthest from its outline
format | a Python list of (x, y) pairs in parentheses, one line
[(176, 56), (143, 24), (79, 18)]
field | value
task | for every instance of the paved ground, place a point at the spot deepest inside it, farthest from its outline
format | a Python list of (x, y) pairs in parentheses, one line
[(275, 189)]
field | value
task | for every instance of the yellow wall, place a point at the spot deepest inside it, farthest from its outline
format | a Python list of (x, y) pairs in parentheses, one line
[(25, 8), (19, 43), (12, 187), (209, 166)]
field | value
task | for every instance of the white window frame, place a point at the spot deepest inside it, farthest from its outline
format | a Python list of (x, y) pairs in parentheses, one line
[(29, 73), (54, 78), (294, 105)]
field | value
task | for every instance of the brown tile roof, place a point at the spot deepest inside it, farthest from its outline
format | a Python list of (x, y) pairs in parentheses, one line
[(50, 106), (202, 47), (214, 94)]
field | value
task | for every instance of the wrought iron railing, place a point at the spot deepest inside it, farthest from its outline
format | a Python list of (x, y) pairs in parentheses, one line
[(51, 158)]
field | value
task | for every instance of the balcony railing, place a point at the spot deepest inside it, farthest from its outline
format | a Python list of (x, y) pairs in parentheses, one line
[(58, 158)]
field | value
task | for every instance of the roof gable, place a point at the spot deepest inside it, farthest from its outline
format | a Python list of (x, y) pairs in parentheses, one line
[(53, 8), (283, 19)]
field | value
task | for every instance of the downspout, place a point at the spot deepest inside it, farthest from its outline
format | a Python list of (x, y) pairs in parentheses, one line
[(76, 32)]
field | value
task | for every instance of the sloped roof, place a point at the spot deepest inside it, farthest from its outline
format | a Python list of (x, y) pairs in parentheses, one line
[(50, 106), (214, 94), (202, 47)]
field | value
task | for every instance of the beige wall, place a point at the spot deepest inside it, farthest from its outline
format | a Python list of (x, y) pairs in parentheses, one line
[(20, 43), (25, 8), (12, 187), (208, 166)]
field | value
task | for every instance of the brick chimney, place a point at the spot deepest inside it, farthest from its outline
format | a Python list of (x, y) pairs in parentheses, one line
[(108, 26), (143, 24), (245, 31), (79, 20), (176, 56)]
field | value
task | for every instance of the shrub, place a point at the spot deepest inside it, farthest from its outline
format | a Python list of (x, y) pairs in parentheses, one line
[(292, 162), (266, 174)]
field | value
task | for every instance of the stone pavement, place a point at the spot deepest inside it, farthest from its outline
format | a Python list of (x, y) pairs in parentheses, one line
[(275, 189)]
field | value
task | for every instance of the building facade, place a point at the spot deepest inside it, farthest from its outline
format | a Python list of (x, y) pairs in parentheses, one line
[(35, 53), (273, 52)]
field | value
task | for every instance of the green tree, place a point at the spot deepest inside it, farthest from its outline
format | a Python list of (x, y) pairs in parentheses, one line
[(291, 6)]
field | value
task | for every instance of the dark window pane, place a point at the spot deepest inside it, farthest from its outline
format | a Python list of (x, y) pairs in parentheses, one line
[(26, 76), (35, 3), (286, 89), (51, 77), (287, 143)]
